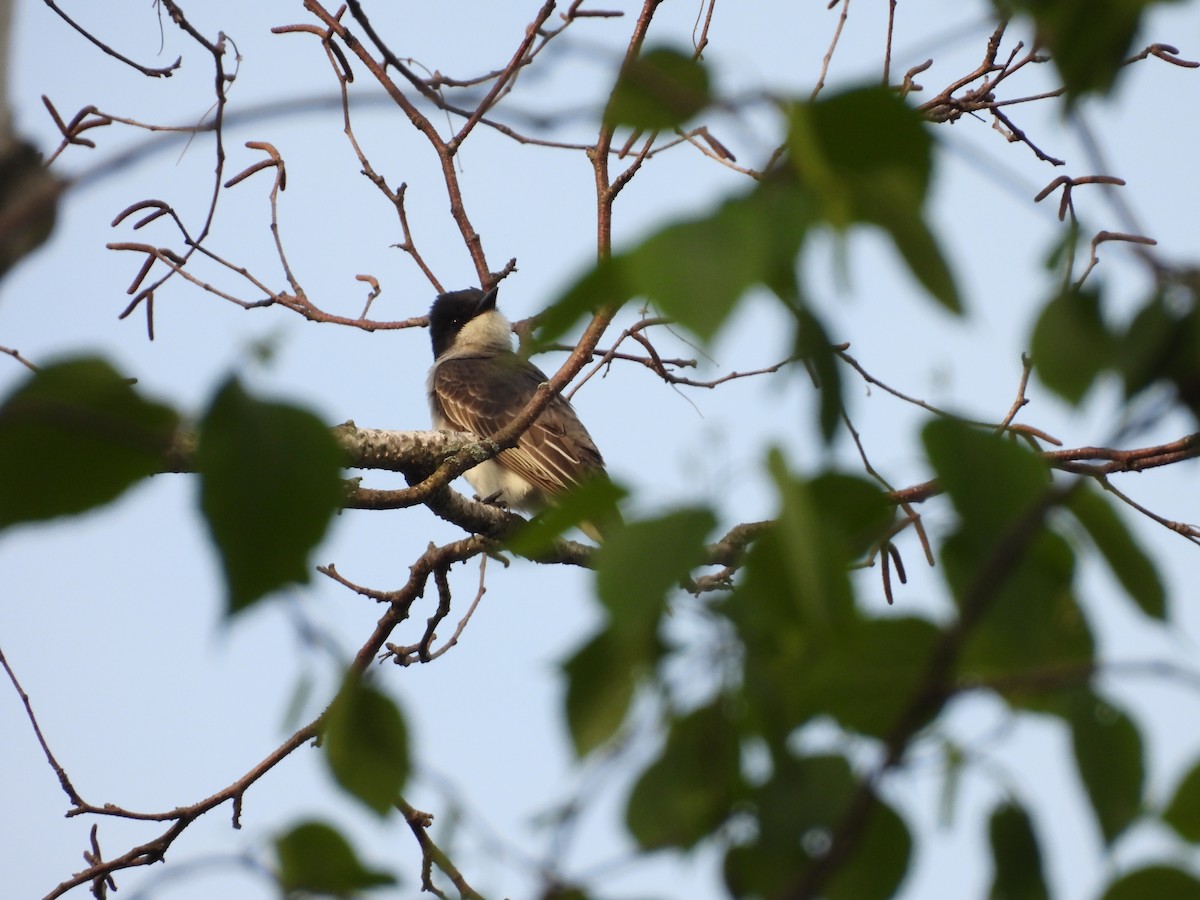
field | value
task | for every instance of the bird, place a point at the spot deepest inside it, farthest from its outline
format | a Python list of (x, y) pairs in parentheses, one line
[(478, 384)]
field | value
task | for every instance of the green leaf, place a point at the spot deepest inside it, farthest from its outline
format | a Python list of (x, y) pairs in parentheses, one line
[(1018, 872), (636, 567), (602, 285), (772, 626), (659, 89), (269, 485), (817, 554), (689, 791), (1108, 752), (1183, 812), (815, 347), (642, 562), (1155, 339), (796, 813), (594, 501), (918, 246), (76, 435), (1032, 622), (1007, 562), (882, 859), (601, 677), (794, 607), (788, 832), (1159, 882), (1129, 563), (857, 512), (1071, 345), (1087, 39), (858, 178), (696, 270), (991, 480), (366, 744), (1163, 342), (865, 678), (315, 858)]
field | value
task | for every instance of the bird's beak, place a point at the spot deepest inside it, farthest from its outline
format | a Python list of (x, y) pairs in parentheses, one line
[(487, 301)]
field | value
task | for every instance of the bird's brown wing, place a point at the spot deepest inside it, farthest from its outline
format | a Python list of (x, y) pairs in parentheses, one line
[(482, 394)]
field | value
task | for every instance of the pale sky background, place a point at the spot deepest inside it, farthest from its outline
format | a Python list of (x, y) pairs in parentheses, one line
[(113, 620)]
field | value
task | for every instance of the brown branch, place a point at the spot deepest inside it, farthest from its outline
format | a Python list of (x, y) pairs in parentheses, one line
[(181, 817), (837, 35), (507, 74), (422, 651), (432, 855), (221, 82), (61, 773), (164, 72), (16, 354), (154, 850), (444, 150)]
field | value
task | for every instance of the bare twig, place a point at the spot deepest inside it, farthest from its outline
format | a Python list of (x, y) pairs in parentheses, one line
[(837, 35), (433, 855), (163, 72)]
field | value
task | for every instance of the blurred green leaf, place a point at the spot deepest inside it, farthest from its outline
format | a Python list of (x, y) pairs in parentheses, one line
[(1071, 345), (1157, 882), (1018, 860), (689, 791), (991, 480), (1154, 338), (1163, 342), (1108, 752), (1062, 251), (1032, 618), (918, 245), (882, 858), (816, 550), (315, 858), (857, 511), (796, 812), (658, 89), (772, 626), (865, 677), (1033, 621), (636, 567), (1183, 811), (1128, 562), (602, 285), (642, 562), (594, 501), (366, 744), (836, 149), (601, 677), (75, 435), (270, 481), (697, 269), (1088, 40), (816, 349), (794, 607)]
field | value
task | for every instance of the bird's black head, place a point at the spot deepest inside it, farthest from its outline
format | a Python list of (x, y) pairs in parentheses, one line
[(451, 311)]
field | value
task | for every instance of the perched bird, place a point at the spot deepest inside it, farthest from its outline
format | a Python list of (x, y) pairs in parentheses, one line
[(478, 384)]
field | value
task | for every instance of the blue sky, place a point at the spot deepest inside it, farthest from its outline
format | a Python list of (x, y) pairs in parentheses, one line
[(113, 620)]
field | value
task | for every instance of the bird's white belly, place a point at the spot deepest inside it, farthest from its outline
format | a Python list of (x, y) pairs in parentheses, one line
[(492, 481)]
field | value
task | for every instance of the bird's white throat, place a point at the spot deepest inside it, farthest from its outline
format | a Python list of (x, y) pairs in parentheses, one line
[(487, 331)]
